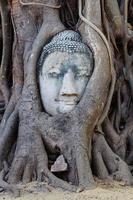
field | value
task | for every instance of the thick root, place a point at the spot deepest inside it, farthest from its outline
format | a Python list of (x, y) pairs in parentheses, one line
[(31, 162), (117, 142), (6, 186), (107, 163), (8, 136)]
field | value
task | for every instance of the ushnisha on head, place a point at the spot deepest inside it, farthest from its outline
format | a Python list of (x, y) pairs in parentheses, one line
[(65, 66)]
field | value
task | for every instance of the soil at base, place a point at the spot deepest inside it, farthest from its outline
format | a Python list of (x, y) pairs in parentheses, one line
[(104, 191)]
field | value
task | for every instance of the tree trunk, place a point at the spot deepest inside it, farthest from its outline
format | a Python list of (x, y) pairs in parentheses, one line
[(96, 137)]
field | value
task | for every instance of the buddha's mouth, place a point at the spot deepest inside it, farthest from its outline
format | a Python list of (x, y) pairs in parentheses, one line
[(67, 102)]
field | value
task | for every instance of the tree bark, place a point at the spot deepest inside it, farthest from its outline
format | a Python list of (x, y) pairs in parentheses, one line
[(97, 135)]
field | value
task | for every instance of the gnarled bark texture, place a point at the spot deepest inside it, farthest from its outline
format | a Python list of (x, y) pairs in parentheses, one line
[(31, 140)]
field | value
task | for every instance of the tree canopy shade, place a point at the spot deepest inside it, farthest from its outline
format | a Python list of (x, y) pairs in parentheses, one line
[(93, 136)]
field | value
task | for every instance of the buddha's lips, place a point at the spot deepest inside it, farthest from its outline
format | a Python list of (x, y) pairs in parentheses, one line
[(66, 101)]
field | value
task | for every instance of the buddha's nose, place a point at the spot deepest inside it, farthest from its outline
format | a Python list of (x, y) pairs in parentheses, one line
[(68, 85)]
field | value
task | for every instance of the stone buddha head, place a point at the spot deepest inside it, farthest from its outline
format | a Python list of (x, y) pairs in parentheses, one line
[(65, 66)]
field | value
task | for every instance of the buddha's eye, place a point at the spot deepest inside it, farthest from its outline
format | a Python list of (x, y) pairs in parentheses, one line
[(81, 75), (54, 75)]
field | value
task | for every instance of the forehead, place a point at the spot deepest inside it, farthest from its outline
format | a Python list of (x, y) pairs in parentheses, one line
[(63, 59)]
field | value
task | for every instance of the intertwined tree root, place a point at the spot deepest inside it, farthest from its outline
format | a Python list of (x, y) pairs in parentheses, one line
[(29, 135), (107, 164)]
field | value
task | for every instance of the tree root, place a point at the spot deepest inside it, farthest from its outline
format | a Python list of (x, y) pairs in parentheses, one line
[(56, 182), (8, 135), (117, 142), (31, 162), (113, 12), (9, 109), (107, 163), (7, 46), (50, 145), (6, 186)]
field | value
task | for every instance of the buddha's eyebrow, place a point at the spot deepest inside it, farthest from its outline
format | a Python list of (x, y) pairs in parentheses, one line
[(54, 68), (84, 70)]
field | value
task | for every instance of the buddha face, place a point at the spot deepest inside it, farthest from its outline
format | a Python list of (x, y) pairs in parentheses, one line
[(62, 81)]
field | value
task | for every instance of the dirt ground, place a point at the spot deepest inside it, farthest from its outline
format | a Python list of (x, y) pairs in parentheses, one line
[(103, 191)]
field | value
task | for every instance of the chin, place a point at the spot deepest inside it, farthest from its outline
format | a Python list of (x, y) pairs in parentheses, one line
[(66, 108)]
